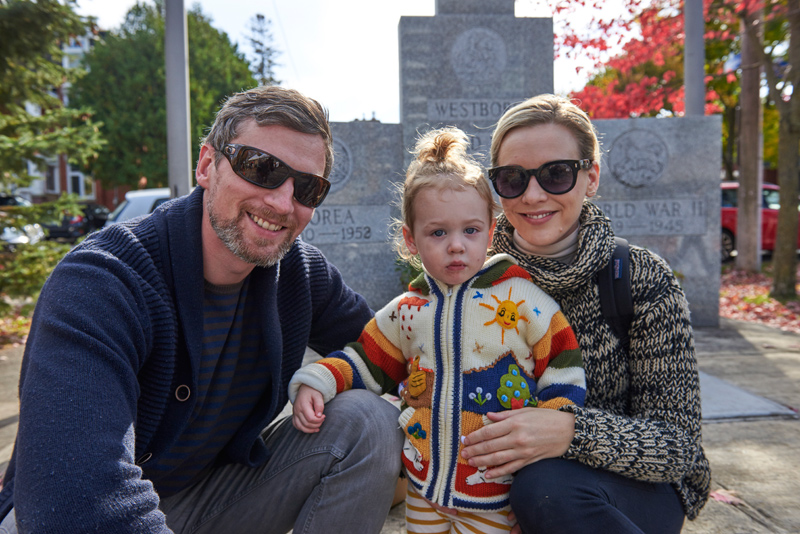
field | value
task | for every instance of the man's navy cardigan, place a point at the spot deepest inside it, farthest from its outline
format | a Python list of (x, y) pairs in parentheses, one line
[(116, 340)]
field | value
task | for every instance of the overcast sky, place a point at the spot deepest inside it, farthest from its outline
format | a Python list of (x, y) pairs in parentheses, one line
[(343, 53)]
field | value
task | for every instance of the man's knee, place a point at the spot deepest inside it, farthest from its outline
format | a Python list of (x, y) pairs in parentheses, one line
[(375, 409), (370, 419)]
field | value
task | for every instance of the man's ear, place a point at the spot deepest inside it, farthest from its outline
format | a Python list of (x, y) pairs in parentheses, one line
[(204, 163), (409, 238)]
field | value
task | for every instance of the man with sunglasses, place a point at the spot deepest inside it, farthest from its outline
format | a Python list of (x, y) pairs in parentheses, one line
[(160, 351)]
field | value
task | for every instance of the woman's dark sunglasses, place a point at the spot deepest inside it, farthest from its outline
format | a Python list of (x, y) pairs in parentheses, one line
[(265, 170), (556, 177)]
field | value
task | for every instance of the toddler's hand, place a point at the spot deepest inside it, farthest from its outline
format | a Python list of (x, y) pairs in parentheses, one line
[(307, 410)]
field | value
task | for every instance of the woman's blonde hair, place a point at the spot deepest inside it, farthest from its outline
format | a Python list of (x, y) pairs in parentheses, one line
[(549, 109), (441, 162)]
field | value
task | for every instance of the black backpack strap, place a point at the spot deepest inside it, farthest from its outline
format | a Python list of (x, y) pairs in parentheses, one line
[(614, 286)]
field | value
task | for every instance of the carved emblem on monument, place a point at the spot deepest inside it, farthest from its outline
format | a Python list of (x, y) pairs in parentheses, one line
[(342, 165), (478, 56), (638, 158)]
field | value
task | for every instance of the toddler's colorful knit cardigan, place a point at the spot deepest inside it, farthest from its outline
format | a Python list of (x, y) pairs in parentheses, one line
[(495, 342)]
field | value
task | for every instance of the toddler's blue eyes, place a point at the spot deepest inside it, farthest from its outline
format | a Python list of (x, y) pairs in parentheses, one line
[(438, 233), (471, 230)]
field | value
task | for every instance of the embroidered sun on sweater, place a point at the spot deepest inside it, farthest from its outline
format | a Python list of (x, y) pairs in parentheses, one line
[(493, 343)]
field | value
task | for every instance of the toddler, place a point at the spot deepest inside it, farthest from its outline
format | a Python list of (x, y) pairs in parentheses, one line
[(469, 337)]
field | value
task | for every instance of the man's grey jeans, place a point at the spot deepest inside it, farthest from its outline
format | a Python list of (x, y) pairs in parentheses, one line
[(9, 524), (341, 479)]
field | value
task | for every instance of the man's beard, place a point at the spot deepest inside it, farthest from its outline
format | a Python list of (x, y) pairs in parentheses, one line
[(230, 233)]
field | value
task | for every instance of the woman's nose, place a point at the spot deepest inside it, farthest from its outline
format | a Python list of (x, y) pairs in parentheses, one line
[(534, 192)]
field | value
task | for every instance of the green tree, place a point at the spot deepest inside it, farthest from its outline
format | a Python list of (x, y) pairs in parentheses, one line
[(34, 124), (24, 272), (263, 63), (125, 84)]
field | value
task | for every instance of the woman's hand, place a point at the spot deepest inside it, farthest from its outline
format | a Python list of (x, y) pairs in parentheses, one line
[(517, 438)]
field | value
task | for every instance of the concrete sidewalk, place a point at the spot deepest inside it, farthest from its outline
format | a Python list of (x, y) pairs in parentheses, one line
[(755, 458), (750, 378)]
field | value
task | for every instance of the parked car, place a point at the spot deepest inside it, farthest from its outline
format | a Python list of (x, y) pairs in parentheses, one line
[(137, 203), (10, 236), (13, 200), (71, 227), (769, 217)]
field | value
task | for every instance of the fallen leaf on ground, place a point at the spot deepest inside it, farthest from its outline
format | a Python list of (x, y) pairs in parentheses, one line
[(745, 296), (726, 496)]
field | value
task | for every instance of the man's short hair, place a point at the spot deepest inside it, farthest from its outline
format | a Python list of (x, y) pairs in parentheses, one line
[(271, 105)]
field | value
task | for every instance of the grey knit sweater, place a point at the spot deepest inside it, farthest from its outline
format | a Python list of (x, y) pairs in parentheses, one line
[(642, 413)]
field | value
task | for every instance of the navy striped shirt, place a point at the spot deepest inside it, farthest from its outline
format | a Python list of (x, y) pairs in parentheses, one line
[(232, 380)]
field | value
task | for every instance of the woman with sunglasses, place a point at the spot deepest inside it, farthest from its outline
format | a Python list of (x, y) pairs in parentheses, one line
[(631, 460)]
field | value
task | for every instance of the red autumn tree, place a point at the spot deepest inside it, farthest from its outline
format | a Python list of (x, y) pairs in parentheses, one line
[(638, 57), (645, 77)]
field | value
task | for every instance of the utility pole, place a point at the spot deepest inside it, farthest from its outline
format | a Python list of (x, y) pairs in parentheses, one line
[(694, 58), (751, 155), (176, 51)]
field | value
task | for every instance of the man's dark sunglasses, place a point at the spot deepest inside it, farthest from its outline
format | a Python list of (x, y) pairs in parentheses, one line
[(265, 170), (555, 177)]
